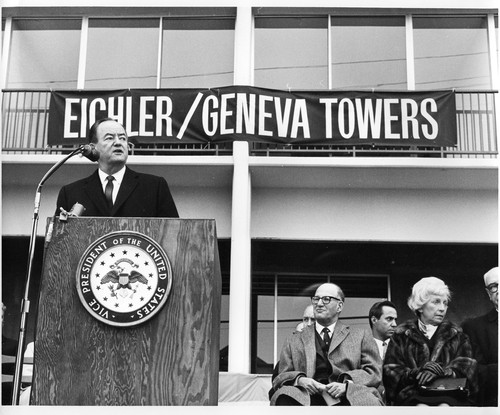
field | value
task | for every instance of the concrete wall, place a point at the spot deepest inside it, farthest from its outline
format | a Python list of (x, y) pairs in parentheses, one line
[(407, 215), (320, 213)]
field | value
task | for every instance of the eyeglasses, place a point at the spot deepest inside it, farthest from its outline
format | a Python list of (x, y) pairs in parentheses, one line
[(492, 288), (326, 300)]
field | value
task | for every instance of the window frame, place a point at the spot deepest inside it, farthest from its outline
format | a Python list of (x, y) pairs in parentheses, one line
[(491, 16)]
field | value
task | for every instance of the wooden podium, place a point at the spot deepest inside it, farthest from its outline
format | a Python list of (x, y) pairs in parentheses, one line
[(171, 358)]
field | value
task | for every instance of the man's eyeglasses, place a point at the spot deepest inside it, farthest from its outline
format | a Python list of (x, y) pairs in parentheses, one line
[(326, 300), (492, 288)]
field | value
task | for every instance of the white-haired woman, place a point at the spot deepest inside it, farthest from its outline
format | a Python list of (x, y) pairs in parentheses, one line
[(428, 348)]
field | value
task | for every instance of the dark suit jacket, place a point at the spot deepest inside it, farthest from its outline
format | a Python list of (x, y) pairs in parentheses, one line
[(483, 334), (352, 354), (140, 195)]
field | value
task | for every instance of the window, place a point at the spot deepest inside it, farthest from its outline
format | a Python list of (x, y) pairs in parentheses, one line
[(451, 52), (122, 53), (368, 52), (291, 53), (35, 62), (197, 53)]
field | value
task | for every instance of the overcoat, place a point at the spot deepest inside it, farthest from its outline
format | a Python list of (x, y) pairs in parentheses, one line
[(483, 335), (140, 195), (353, 355), (408, 351)]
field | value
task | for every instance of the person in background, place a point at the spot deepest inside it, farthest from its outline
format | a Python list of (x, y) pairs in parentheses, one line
[(428, 348), (114, 189), (9, 346), (483, 334), (307, 318), (9, 351), (383, 320), (328, 363)]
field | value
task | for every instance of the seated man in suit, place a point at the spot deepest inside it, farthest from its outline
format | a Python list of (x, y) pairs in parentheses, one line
[(483, 334), (382, 318), (328, 363), (114, 189)]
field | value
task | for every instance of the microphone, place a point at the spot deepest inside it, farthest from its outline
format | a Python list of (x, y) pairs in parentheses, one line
[(89, 151)]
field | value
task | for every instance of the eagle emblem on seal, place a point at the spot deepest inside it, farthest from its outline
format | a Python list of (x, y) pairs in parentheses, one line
[(122, 277)]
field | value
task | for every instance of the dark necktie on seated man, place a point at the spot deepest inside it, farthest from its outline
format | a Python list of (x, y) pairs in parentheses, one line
[(326, 337), (108, 191)]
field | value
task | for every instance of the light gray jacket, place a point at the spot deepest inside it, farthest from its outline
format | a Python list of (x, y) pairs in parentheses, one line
[(353, 355)]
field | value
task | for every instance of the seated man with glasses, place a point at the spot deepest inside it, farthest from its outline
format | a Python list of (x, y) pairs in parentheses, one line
[(328, 363), (483, 334)]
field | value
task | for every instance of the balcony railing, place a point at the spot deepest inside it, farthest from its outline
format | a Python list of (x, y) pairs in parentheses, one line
[(25, 121)]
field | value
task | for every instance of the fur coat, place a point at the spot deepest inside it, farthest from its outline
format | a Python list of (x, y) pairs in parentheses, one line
[(408, 351)]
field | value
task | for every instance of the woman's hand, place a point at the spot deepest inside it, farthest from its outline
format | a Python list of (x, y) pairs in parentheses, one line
[(424, 377), (428, 372), (434, 367)]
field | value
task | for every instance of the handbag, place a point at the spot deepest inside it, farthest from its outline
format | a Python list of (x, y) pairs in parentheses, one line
[(446, 387)]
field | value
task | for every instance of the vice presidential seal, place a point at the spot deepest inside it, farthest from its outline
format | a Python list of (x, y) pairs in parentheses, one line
[(124, 278)]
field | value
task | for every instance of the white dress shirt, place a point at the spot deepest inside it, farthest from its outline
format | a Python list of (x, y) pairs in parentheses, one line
[(319, 329), (118, 176), (381, 348)]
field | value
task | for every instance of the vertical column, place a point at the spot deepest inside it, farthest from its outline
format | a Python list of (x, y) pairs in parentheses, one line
[(493, 55), (7, 36), (240, 279), (240, 276), (243, 47), (4, 66), (329, 46), (82, 60), (410, 53), (492, 46), (160, 54)]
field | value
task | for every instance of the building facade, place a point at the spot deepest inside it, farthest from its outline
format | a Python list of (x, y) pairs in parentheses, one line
[(373, 218)]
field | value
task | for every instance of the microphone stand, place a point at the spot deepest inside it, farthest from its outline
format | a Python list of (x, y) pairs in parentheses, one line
[(25, 303)]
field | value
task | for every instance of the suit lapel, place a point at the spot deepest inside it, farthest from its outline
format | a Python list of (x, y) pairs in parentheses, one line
[(93, 189), (129, 183), (308, 337), (339, 334)]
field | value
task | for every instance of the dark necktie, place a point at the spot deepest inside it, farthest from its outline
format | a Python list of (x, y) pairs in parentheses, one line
[(108, 191), (326, 336)]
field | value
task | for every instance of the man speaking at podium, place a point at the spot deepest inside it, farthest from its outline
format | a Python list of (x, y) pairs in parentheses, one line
[(114, 189)]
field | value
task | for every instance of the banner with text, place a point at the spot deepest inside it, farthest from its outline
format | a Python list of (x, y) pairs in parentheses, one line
[(235, 113)]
